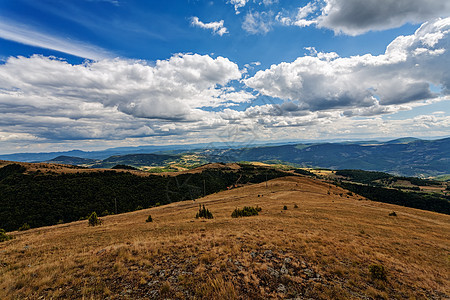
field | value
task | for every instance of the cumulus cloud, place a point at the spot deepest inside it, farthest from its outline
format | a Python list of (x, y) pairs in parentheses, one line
[(169, 89), (323, 81), (43, 99), (355, 17), (238, 4), (216, 27), (50, 98)]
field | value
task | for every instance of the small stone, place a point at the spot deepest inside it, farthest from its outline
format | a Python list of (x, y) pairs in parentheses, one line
[(273, 272), (281, 288), (155, 282), (268, 253), (253, 253), (309, 272), (287, 260), (284, 270)]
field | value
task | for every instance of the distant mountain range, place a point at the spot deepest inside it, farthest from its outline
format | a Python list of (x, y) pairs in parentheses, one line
[(405, 156), (103, 154)]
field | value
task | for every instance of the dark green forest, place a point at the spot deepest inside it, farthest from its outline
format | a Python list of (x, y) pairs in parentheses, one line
[(431, 202), (42, 199), (370, 177)]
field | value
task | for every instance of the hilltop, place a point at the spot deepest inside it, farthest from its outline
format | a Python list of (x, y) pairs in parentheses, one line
[(322, 246), (42, 194)]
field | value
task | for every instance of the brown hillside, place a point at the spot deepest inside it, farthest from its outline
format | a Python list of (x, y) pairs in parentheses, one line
[(52, 168), (322, 249)]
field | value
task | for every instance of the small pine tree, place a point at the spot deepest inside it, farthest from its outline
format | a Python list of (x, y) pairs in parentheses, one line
[(94, 220), (295, 206), (4, 236), (24, 227), (203, 213), (285, 207), (149, 219), (246, 211), (377, 272)]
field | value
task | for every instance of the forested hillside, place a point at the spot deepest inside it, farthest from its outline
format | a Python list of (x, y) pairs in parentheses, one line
[(46, 199)]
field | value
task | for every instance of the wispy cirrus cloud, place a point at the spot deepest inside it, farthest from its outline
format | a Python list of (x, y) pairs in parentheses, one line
[(258, 22), (216, 27), (12, 31)]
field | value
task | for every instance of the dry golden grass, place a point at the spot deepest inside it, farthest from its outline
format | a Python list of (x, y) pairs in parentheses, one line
[(320, 250), (51, 168)]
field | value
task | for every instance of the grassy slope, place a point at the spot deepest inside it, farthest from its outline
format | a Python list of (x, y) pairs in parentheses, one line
[(322, 249)]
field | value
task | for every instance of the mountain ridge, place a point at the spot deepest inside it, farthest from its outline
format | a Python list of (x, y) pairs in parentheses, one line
[(405, 156)]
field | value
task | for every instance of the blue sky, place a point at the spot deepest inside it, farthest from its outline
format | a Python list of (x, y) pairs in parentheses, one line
[(93, 74)]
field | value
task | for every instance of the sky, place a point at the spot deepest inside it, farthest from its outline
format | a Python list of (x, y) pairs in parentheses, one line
[(95, 74)]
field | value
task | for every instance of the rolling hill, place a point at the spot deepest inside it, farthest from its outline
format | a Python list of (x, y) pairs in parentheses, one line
[(326, 244)]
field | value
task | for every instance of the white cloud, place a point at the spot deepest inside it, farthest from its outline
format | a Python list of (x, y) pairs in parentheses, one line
[(301, 19), (258, 22), (48, 100), (21, 34), (216, 27), (354, 17), (323, 81), (51, 99), (268, 2), (238, 4)]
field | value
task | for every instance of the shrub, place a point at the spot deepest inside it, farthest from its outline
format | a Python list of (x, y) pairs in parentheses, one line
[(94, 220), (393, 214), (149, 219), (285, 207), (4, 236), (105, 213), (203, 213), (377, 272), (139, 207), (246, 212), (295, 206), (24, 227)]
